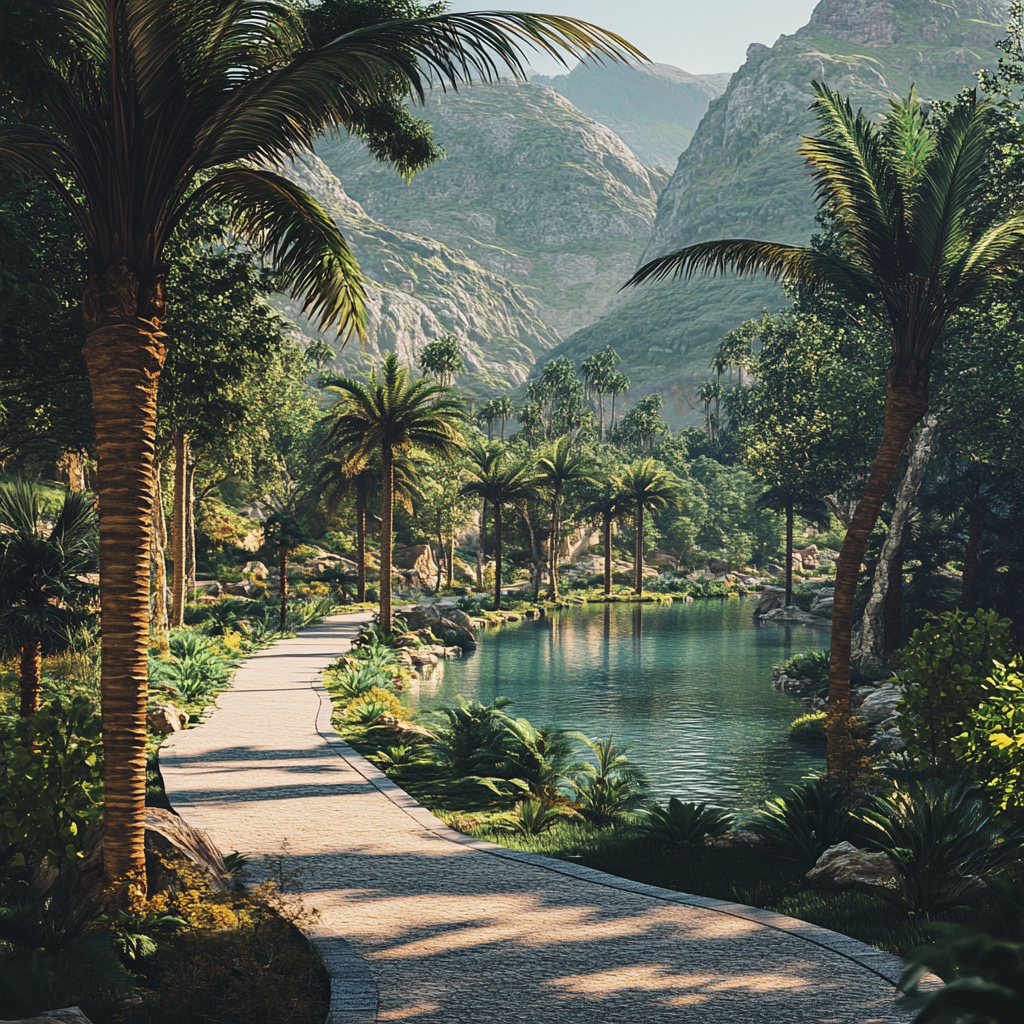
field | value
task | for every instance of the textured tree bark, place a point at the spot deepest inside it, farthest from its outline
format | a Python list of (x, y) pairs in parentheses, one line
[(600, 431), (905, 405), (606, 527), (387, 512), (450, 558), (556, 529), (480, 548), (638, 558), (31, 677), (282, 568), (870, 647), (442, 555), (178, 544), (789, 555), (124, 354), (158, 564), (497, 558), (969, 580), (534, 553), (361, 542), (190, 522)]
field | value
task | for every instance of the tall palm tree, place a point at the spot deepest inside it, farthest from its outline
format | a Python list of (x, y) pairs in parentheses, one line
[(336, 479), (42, 592), (560, 467), (391, 414), (647, 487), (916, 241), (611, 506), (153, 109), (794, 500), (502, 482), (482, 456)]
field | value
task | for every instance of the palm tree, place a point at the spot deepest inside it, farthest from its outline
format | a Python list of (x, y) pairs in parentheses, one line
[(597, 373), (285, 531), (391, 414), (482, 455), (155, 109), (442, 358), (618, 384), (504, 410), (793, 499), (336, 479), (502, 482), (916, 242), (43, 597), (647, 487), (611, 506), (558, 468)]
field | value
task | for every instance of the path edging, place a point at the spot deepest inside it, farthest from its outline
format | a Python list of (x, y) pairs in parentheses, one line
[(884, 965)]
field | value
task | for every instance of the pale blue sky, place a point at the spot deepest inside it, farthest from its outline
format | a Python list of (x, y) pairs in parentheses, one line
[(700, 36)]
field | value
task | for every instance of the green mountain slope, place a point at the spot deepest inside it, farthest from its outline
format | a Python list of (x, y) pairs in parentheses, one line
[(532, 190), (740, 176), (653, 108)]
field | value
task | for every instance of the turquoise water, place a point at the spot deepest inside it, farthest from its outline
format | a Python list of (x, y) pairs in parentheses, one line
[(688, 684)]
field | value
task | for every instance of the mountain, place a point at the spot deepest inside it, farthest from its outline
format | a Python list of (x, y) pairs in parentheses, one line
[(420, 289), (532, 190), (653, 108), (740, 176)]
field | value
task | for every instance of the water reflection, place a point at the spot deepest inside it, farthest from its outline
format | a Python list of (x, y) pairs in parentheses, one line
[(690, 685)]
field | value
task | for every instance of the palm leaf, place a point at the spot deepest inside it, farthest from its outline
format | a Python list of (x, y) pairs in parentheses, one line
[(290, 229)]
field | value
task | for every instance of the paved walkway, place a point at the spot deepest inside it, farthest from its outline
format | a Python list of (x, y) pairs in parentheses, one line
[(441, 929)]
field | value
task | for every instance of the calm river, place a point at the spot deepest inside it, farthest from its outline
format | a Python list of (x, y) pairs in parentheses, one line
[(688, 684)]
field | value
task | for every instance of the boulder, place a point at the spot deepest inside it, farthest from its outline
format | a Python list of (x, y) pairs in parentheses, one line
[(70, 1015), (422, 657), (662, 558), (845, 865), (419, 558), (208, 588), (717, 565), (252, 541), (257, 570), (807, 556), (245, 588), (823, 607), (774, 570), (790, 614), (167, 836), (880, 704), (770, 599), (164, 719)]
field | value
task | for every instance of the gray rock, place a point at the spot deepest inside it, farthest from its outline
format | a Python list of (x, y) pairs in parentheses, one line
[(770, 599), (255, 569), (245, 588), (70, 1015), (822, 607), (717, 565), (880, 704), (845, 865), (209, 588)]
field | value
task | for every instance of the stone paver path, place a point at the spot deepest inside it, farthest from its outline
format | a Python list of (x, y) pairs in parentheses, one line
[(444, 930)]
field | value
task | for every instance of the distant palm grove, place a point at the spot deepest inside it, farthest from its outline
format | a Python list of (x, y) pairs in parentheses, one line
[(186, 479)]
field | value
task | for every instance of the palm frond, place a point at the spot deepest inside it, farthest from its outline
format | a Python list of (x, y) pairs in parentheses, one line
[(19, 507), (291, 230)]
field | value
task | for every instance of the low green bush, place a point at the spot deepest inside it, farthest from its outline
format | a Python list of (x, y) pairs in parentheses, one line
[(809, 728), (684, 824), (814, 665)]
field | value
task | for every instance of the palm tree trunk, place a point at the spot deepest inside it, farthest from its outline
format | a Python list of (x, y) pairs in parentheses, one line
[(905, 405), (871, 646), (789, 554), (607, 528), (387, 512), (490, 430), (442, 555), (600, 431), (158, 548), (178, 543), (361, 542), (282, 568), (553, 552), (480, 548), (31, 677), (969, 579), (124, 355), (638, 557), (497, 558), (190, 523), (451, 558), (611, 424), (534, 552)]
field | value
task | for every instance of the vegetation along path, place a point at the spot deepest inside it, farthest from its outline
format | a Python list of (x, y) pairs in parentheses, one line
[(443, 928)]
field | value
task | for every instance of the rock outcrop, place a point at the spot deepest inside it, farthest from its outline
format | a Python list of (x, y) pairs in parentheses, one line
[(845, 865)]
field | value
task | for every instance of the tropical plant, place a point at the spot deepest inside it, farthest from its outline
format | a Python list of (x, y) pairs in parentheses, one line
[(609, 788), (794, 500), (809, 728), (611, 505), (468, 739), (43, 595), (532, 817), (500, 483), (153, 110), (391, 760), (618, 384), (943, 839), (536, 761), (916, 241), (684, 825), (392, 413), (813, 816), (285, 531), (51, 788), (55, 952), (356, 682), (496, 409), (598, 374), (557, 468), (813, 665), (647, 487), (443, 359)]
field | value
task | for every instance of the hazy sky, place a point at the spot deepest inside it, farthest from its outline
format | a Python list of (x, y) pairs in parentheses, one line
[(701, 36)]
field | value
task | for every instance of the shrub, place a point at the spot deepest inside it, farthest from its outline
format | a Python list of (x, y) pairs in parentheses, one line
[(809, 728), (531, 817), (942, 838), (684, 825), (353, 683), (365, 710), (466, 742), (51, 786), (612, 786), (948, 664), (804, 824), (814, 665)]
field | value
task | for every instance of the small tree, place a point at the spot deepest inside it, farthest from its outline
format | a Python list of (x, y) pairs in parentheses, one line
[(794, 500), (647, 487), (443, 359)]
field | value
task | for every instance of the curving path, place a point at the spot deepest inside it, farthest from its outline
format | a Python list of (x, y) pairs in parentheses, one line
[(442, 929)]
